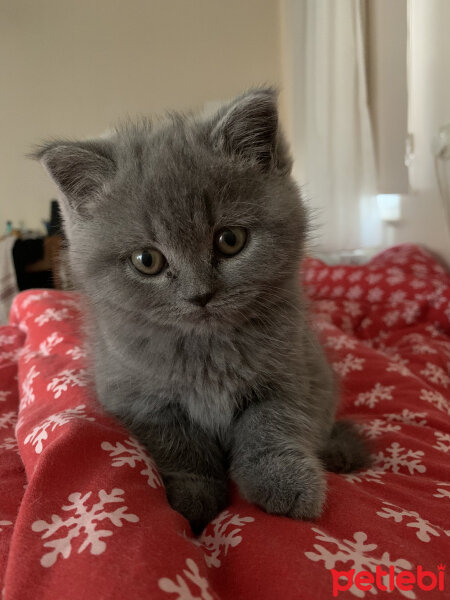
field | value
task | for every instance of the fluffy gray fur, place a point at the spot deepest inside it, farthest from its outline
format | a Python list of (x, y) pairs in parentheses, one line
[(239, 386)]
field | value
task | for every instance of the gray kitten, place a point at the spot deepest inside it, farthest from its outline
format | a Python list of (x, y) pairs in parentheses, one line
[(186, 239)]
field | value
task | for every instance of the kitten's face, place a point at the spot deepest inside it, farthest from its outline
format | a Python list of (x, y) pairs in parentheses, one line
[(183, 233)]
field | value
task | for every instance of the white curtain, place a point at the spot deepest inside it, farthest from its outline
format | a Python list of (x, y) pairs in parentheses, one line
[(331, 130)]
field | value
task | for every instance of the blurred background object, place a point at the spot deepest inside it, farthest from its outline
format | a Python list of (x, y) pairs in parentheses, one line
[(441, 151), (365, 87)]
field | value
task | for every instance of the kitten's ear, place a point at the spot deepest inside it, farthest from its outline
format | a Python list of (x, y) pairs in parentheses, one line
[(248, 127), (79, 169)]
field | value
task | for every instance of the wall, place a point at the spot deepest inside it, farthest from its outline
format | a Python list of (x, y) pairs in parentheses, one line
[(73, 68), (292, 34)]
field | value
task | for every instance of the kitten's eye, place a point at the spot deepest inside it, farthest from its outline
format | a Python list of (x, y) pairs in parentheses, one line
[(231, 240), (148, 261)]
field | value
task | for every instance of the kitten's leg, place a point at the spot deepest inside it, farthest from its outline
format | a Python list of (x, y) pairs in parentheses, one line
[(275, 462), (190, 461), (345, 449)]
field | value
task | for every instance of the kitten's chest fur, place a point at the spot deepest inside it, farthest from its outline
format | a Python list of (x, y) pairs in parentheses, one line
[(213, 376), (210, 376)]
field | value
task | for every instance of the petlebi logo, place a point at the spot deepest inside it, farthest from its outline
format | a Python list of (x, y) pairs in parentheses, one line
[(387, 581)]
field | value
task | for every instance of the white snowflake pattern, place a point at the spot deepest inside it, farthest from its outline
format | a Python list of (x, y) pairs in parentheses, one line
[(435, 374), (400, 369), (49, 343), (420, 270), (131, 453), (28, 396), (369, 475), (408, 417), (10, 443), (4, 394), (4, 524), (375, 294), (352, 308), (444, 347), (433, 330), (357, 553), (399, 365), (355, 276), (23, 325), (76, 353), (397, 458), (26, 354), (9, 355), (436, 268), (71, 303), (340, 342), (8, 419), (311, 290), (436, 399), (323, 273), (346, 324), (226, 528), (309, 274), (337, 274), (423, 349), (373, 396), (14, 312), (424, 528), (326, 305), (395, 277), (181, 587), (379, 340), (83, 521), (417, 284), (337, 291), (6, 340), (441, 490), (354, 292), (348, 364), (397, 296), (377, 427), (373, 278), (442, 442), (398, 258), (33, 298), (65, 379), (414, 338), (322, 322), (411, 311), (51, 314), (40, 433), (391, 317)]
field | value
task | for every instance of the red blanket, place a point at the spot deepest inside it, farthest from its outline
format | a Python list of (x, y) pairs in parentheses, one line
[(83, 512)]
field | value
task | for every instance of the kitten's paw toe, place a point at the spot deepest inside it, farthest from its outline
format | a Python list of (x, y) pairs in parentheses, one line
[(308, 504), (346, 450), (198, 499), (292, 485)]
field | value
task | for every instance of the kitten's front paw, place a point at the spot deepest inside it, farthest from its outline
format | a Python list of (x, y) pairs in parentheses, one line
[(292, 484), (198, 499)]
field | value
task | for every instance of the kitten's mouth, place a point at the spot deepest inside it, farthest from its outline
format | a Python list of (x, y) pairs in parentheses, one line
[(213, 317), (203, 314), (210, 315)]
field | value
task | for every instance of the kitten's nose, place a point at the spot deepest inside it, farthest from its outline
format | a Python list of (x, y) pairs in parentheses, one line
[(202, 299)]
